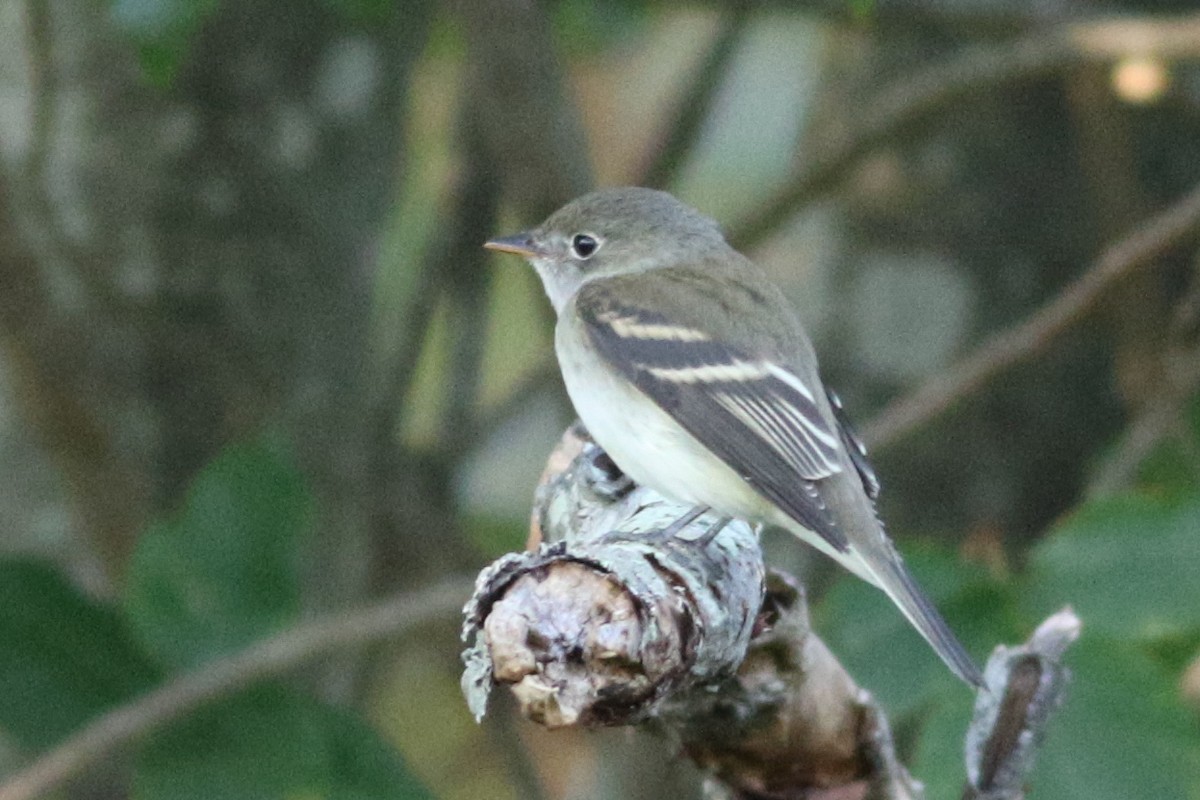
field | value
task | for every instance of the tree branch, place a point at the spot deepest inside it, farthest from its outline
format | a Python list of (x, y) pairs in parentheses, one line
[(53, 378), (791, 722), (1159, 234), (1025, 686), (151, 712), (599, 624), (913, 103), (612, 620), (465, 272), (670, 152), (531, 132), (1162, 416)]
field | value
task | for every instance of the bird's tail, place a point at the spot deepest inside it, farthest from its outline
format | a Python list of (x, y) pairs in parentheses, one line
[(882, 566)]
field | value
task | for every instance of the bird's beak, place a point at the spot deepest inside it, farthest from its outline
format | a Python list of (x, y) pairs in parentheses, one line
[(521, 244)]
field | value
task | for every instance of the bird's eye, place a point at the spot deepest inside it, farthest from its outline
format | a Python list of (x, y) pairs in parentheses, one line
[(584, 245)]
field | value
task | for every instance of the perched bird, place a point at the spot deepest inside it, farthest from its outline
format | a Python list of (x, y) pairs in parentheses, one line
[(689, 367)]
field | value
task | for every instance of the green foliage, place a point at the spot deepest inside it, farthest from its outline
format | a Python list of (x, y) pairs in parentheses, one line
[(162, 30), (272, 742), (220, 575), (1129, 566), (1122, 733), (586, 27), (64, 657), (885, 653), (226, 571)]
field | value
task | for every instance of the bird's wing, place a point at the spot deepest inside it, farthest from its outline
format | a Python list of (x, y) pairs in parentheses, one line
[(766, 419), (854, 446), (755, 414)]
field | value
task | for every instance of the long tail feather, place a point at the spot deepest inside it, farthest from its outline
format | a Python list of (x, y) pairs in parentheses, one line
[(887, 571)]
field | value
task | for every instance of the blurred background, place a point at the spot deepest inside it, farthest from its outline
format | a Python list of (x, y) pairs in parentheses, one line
[(255, 367)]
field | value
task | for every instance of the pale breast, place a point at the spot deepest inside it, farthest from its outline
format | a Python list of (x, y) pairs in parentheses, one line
[(642, 439)]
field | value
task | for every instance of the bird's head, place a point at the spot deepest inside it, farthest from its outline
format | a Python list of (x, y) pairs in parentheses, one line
[(613, 232)]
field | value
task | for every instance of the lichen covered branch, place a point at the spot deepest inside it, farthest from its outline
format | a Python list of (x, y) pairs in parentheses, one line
[(615, 610), (1025, 686), (626, 609), (791, 722)]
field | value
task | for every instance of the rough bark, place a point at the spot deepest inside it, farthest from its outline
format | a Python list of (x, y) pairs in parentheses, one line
[(614, 616), (596, 627), (1025, 686), (204, 250)]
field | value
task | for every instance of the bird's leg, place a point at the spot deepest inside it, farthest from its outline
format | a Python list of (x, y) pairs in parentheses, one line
[(674, 529), (714, 529)]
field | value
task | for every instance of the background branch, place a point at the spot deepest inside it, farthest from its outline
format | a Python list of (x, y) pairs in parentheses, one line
[(670, 153), (912, 103), (609, 622), (154, 711), (608, 615), (465, 270), (1159, 234), (1025, 686), (527, 122)]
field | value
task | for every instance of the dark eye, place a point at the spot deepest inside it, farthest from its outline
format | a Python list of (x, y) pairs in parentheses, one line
[(584, 245)]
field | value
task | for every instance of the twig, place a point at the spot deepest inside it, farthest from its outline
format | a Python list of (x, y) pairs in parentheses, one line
[(900, 111), (670, 153), (1139, 439), (1168, 229), (916, 101), (396, 376), (1025, 687), (157, 709), (531, 130), (1162, 416), (467, 281)]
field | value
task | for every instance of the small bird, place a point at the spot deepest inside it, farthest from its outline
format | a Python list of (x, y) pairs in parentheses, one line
[(689, 367)]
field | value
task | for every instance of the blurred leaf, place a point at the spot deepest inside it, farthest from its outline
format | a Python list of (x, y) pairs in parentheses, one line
[(64, 658), (225, 572), (1123, 732), (861, 10), (163, 30), (938, 761), (1173, 467), (1129, 565), (495, 535), (270, 742), (585, 27), (887, 656)]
